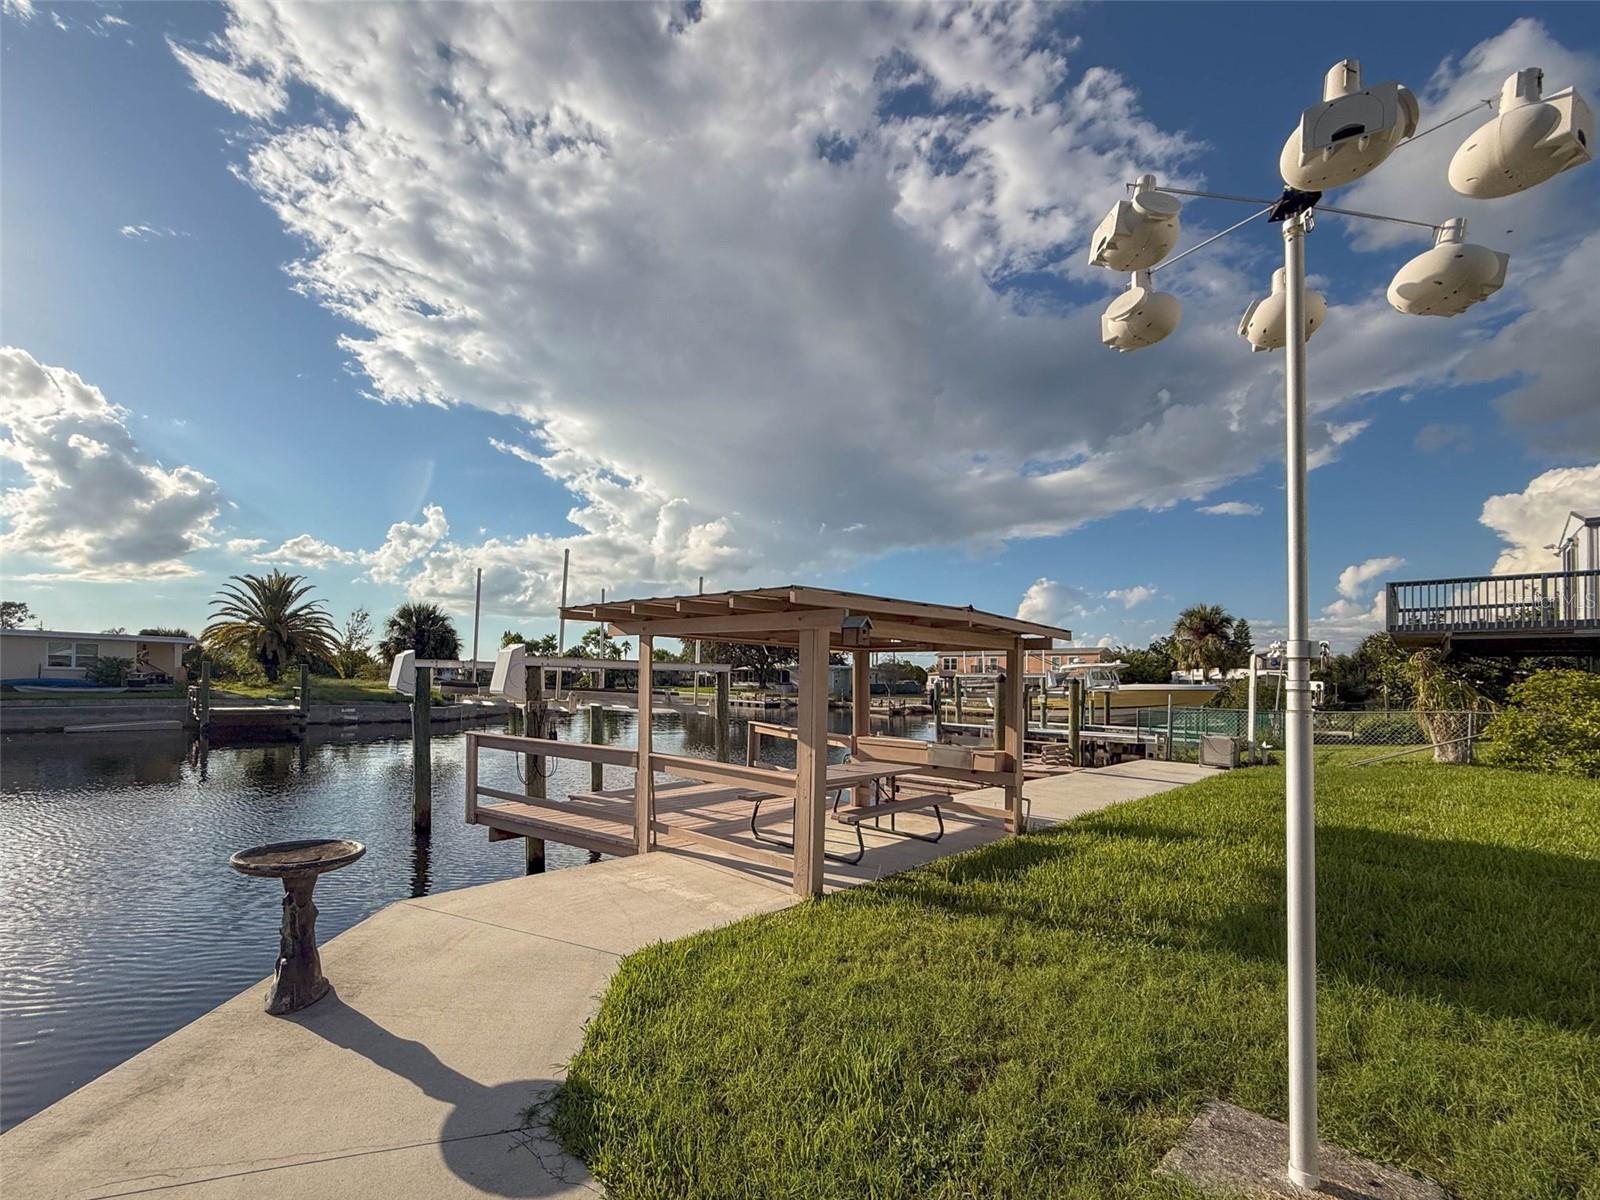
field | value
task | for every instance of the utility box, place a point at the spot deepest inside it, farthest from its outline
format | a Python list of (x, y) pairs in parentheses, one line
[(1220, 750)]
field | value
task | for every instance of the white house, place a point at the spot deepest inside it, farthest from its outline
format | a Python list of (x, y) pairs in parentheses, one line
[(55, 654)]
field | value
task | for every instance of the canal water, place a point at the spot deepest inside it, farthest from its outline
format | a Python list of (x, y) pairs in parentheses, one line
[(123, 921)]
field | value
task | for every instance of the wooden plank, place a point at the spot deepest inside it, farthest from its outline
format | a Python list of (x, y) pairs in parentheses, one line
[(951, 614), (811, 764), (556, 830), (644, 778), (773, 780), (754, 623), (472, 776), (617, 756), (675, 837), (940, 635), (854, 816)]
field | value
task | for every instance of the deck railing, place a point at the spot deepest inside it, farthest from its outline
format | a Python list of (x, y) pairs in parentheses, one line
[(1555, 601)]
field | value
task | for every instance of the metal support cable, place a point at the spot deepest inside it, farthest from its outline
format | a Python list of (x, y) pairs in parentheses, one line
[(1214, 237)]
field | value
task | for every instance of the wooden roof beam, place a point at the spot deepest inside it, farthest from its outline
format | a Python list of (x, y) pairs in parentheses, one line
[(751, 626)]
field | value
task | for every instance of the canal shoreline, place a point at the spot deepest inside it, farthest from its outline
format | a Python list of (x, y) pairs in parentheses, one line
[(36, 717), (452, 1018)]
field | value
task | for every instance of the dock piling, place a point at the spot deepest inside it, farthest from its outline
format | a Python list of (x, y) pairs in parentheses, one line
[(1075, 721), (422, 752), (535, 723), (1000, 713), (597, 737), (723, 733)]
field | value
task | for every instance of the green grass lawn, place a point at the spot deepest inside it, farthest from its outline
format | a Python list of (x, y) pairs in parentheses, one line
[(325, 689), (1044, 1016)]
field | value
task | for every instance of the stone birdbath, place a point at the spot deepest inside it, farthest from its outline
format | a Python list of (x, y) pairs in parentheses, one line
[(298, 980)]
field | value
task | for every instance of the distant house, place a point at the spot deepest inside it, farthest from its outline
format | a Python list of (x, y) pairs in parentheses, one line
[(56, 654), (1038, 662)]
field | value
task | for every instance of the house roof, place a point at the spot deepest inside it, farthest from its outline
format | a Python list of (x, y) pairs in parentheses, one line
[(775, 616), (65, 634)]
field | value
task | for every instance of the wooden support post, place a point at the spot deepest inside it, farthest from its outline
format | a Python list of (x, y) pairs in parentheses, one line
[(1001, 686), (533, 723), (644, 779), (749, 743), (811, 763), (961, 716), (303, 692), (724, 733), (1044, 705), (1169, 728), (203, 704), (860, 712), (938, 710), (422, 752), (597, 737), (1015, 711), (1075, 720)]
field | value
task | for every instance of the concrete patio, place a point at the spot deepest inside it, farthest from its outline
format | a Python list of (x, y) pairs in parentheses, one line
[(409, 1081)]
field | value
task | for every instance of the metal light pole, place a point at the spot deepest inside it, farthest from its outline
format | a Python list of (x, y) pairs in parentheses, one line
[(1301, 789)]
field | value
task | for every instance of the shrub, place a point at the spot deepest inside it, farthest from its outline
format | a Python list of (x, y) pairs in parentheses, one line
[(109, 672), (1552, 723)]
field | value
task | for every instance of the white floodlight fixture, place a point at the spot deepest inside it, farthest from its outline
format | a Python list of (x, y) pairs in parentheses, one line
[(1138, 233), (1450, 278), (1530, 141), (1265, 324), (1352, 131), (1139, 317)]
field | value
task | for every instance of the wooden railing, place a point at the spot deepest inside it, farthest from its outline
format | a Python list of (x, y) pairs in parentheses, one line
[(1551, 602)]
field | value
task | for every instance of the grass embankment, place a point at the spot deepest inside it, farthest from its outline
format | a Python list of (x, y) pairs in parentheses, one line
[(1044, 1016), (324, 690)]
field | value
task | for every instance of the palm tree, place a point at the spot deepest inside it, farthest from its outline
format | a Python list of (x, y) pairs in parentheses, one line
[(262, 617), (1202, 637), (425, 629)]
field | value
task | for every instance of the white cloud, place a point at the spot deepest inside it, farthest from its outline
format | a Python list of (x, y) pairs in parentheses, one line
[(1231, 508), (1131, 596), (305, 550), (21, 9), (244, 545), (1355, 579), (1051, 602), (95, 506), (1529, 520), (144, 233), (715, 282), (1555, 255)]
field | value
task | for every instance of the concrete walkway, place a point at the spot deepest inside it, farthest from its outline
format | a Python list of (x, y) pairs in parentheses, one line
[(453, 1014)]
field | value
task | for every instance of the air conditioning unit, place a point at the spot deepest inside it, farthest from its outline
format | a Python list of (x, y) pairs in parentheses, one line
[(1220, 750)]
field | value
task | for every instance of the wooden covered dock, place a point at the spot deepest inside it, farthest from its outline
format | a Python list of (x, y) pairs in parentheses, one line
[(738, 809)]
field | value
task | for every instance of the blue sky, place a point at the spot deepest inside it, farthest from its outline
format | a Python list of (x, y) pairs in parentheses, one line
[(563, 288)]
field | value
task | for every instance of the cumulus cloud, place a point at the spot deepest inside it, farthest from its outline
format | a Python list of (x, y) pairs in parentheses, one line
[(1231, 508), (717, 262), (244, 545), (1131, 596), (21, 9), (585, 240), (1355, 579), (1529, 520), (1051, 602), (95, 505), (303, 550)]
